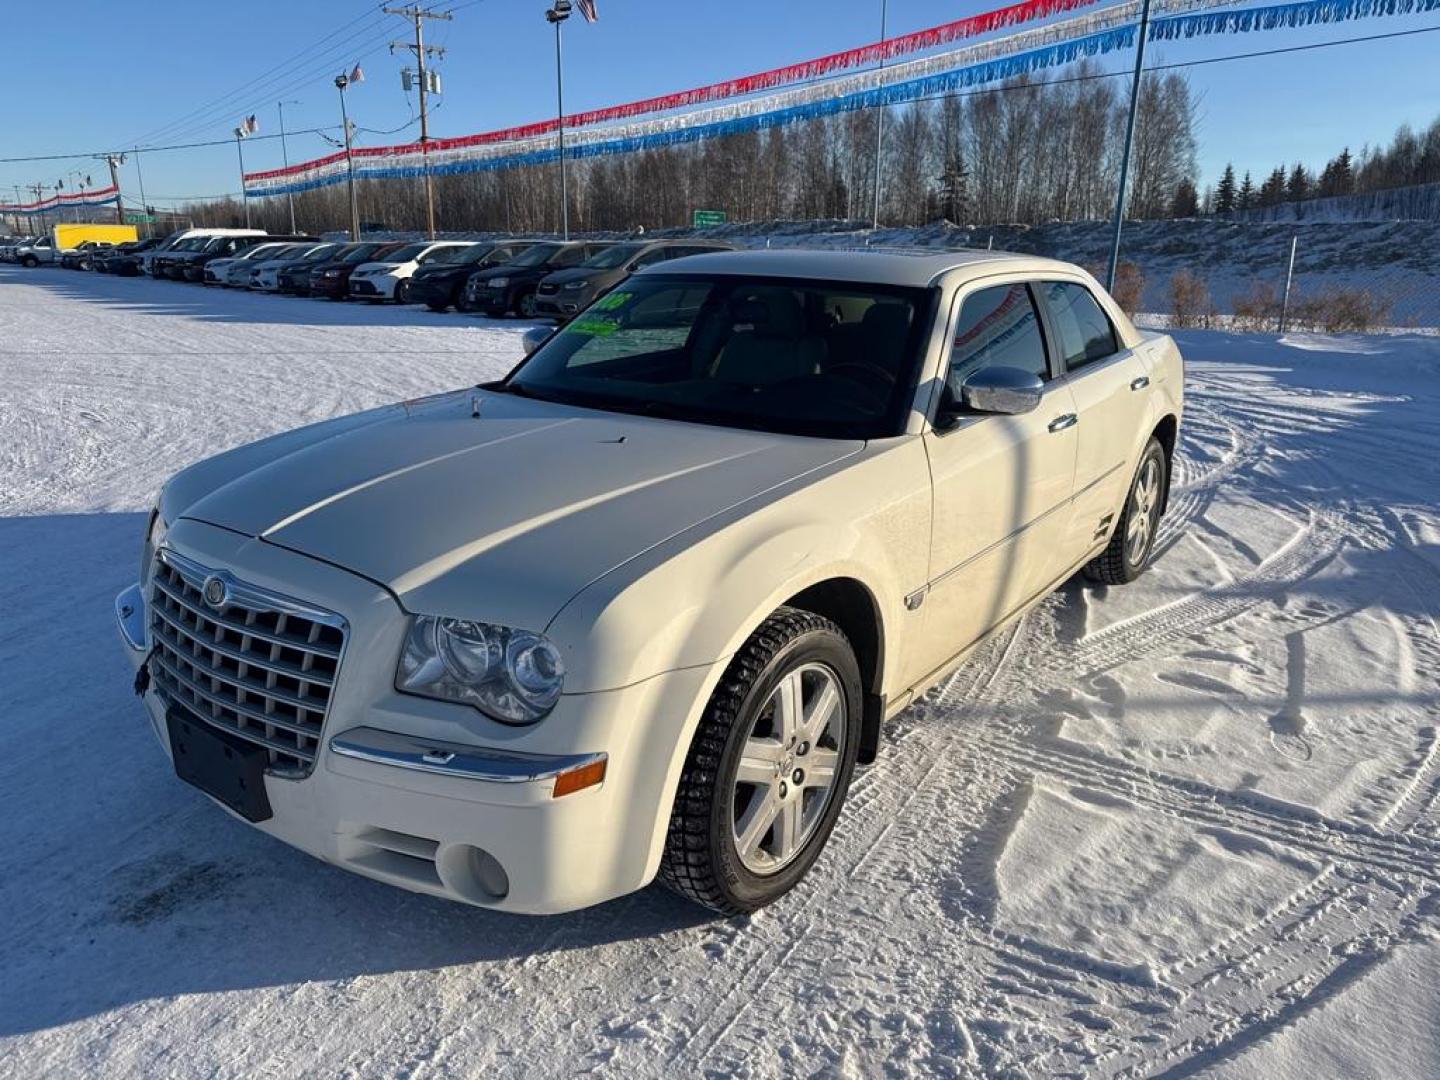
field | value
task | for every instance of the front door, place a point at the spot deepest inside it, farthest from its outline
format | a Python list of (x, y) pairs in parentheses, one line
[(1002, 484)]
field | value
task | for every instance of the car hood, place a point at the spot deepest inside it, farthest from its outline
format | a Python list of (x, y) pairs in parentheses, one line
[(578, 273), (502, 517), (380, 267), (510, 272)]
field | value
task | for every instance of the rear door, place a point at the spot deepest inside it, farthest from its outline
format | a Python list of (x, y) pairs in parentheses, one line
[(1002, 483), (1108, 381)]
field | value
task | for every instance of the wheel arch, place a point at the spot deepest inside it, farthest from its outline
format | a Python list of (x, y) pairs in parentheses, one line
[(849, 604), (1167, 433)]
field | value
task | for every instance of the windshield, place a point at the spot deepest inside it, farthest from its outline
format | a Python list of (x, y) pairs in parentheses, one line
[(798, 357), (612, 257), (407, 253), (461, 256), (538, 255), (261, 251), (359, 252), (324, 251)]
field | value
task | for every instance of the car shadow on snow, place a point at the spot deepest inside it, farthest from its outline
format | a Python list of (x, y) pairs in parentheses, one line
[(120, 884), (216, 304)]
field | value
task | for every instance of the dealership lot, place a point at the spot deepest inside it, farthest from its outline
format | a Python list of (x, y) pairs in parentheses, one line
[(1188, 822)]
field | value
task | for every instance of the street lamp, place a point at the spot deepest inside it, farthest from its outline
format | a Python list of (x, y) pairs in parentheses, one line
[(240, 132), (341, 82), (557, 14)]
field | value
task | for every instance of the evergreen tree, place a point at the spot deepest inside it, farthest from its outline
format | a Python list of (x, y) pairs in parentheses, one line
[(1186, 203), (955, 189), (1272, 191), (1245, 197), (1297, 188), (1225, 191)]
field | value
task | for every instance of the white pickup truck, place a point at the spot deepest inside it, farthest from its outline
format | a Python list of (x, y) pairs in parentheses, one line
[(641, 607)]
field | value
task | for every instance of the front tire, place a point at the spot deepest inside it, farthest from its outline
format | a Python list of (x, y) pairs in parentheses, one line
[(1133, 541), (768, 770)]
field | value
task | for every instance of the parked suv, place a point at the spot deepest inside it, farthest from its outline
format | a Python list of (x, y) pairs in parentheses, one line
[(110, 260), (640, 607), (566, 292), (228, 248), (441, 281), (510, 289)]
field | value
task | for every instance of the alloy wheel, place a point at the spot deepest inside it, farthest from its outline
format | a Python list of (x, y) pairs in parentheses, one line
[(1144, 509), (786, 776)]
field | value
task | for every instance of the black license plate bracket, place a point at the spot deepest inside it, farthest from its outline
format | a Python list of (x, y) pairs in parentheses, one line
[(225, 767)]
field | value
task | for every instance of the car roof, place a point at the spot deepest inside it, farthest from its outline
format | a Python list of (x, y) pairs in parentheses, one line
[(881, 266)]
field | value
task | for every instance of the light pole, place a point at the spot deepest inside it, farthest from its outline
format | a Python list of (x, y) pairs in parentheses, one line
[(341, 82), (879, 120), (240, 133), (557, 14), (1129, 141), (285, 156)]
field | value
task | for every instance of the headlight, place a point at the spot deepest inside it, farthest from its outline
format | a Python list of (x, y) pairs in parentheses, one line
[(513, 676), (154, 537), (332, 273), (582, 284), (498, 282)]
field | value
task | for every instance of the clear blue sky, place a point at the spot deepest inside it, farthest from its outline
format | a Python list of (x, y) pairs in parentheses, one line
[(93, 73)]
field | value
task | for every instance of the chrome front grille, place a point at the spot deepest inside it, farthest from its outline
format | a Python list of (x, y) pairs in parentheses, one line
[(250, 662)]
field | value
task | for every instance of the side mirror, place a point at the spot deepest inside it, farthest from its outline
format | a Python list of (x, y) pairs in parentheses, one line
[(1007, 390), (535, 337)]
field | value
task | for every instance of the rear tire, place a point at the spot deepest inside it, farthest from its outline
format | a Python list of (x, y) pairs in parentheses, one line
[(1133, 541), (767, 773)]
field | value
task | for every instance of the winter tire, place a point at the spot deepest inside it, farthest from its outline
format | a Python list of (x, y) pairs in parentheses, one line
[(1131, 544), (525, 305), (768, 769)]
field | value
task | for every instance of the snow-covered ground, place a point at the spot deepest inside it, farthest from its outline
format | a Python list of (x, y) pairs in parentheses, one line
[(1189, 826)]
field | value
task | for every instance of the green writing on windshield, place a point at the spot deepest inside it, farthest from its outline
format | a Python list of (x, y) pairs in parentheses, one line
[(593, 327)]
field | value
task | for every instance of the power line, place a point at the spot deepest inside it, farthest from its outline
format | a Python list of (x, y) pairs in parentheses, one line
[(1089, 77), (284, 78)]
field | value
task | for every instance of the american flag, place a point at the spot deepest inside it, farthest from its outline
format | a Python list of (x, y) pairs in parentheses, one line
[(587, 8)]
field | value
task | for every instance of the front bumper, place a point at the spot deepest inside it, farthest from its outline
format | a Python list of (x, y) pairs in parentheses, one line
[(371, 288), (431, 796)]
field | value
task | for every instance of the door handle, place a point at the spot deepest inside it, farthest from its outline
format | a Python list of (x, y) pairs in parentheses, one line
[(1140, 383), (1060, 423)]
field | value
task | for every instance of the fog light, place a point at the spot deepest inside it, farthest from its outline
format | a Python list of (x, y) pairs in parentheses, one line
[(579, 778)]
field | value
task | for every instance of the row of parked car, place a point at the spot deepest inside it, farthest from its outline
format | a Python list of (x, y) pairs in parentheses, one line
[(544, 278)]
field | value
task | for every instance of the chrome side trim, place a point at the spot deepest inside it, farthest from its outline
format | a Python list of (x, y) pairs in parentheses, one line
[(454, 759), (130, 617)]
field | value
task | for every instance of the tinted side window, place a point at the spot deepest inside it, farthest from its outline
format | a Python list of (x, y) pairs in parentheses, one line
[(1080, 323), (570, 257), (998, 326)]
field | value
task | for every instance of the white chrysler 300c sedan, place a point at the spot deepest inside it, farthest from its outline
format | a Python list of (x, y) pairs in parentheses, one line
[(641, 607)]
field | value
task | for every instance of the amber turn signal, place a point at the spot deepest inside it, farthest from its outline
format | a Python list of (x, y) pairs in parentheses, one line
[(579, 778)]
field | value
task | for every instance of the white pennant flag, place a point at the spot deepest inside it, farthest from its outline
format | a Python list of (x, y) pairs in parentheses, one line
[(252, 125), (357, 76)]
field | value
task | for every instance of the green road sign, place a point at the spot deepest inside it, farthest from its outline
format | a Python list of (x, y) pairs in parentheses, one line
[(132, 218), (704, 219)]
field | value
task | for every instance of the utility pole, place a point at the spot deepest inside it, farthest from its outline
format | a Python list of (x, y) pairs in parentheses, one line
[(1129, 140), (418, 15), (115, 161), (341, 82), (285, 156), (39, 191), (879, 121)]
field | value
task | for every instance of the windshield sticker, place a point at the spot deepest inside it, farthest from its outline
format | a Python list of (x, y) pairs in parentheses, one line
[(593, 327), (613, 302)]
